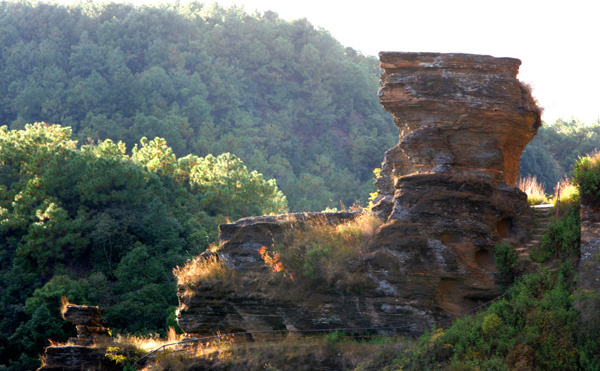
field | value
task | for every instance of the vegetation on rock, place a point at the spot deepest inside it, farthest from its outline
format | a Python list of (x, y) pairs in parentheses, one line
[(324, 256)]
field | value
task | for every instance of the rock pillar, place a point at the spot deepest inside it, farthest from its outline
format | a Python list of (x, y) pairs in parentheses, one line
[(447, 188)]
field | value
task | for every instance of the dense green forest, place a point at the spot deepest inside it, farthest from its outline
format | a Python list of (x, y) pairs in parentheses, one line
[(106, 228), (286, 98), (91, 209)]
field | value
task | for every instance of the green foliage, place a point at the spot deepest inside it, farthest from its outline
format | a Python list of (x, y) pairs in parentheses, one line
[(535, 326), (123, 357), (561, 238), (556, 148), (531, 328), (122, 222), (333, 337), (505, 257), (287, 98), (586, 175)]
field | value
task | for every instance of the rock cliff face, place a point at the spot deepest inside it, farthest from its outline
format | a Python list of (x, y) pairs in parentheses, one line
[(448, 185), (446, 194)]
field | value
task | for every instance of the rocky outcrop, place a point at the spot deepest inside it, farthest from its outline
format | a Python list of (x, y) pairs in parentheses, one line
[(457, 113), (448, 185), (80, 353), (88, 320), (249, 304), (446, 194)]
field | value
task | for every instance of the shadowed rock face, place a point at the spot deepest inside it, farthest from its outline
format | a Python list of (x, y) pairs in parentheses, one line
[(446, 193), (80, 352)]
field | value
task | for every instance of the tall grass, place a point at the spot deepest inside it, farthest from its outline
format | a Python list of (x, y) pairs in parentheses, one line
[(335, 351), (586, 174), (534, 190), (203, 268), (569, 196)]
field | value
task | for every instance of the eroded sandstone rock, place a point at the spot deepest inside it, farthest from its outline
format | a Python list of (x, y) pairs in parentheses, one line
[(80, 353), (464, 121), (447, 196), (457, 113)]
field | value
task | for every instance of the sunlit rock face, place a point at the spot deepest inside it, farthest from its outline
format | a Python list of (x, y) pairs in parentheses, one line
[(447, 188), (457, 113)]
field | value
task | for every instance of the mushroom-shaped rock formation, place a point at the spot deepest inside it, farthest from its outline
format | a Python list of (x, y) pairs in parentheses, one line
[(457, 113), (447, 189)]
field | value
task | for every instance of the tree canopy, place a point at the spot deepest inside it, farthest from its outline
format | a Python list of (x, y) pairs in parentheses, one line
[(106, 228), (286, 98)]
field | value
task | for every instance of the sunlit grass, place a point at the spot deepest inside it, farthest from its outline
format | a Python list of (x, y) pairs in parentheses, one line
[(337, 349), (569, 195), (203, 268), (323, 255), (534, 190)]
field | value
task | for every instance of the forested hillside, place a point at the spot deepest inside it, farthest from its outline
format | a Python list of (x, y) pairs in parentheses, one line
[(105, 228), (104, 222), (286, 98)]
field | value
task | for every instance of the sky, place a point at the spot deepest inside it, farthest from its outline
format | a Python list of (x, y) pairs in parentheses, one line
[(557, 41)]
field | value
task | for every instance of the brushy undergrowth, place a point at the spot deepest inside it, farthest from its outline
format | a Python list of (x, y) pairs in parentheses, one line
[(324, 255), (534, 327), (335, 351), (505, 257)]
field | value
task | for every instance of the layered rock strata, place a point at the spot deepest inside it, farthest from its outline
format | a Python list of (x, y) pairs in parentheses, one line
[(80, 353), (458, 113), (448, 185), (446, 194), (89, 321)]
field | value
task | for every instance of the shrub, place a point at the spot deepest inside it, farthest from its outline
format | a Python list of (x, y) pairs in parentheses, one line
[(561, 238), (586, 174), (506, 257)]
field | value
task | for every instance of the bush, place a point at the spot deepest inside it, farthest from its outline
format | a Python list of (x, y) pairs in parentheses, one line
[(323, 255), (586, 175), (506, 257), (561, 238)]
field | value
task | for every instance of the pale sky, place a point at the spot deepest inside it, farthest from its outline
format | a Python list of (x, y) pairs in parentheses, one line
[(557, 41)]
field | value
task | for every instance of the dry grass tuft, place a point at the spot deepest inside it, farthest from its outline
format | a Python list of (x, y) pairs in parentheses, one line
[(534, 190), (569, 195), (207, 267), (64, 304)]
